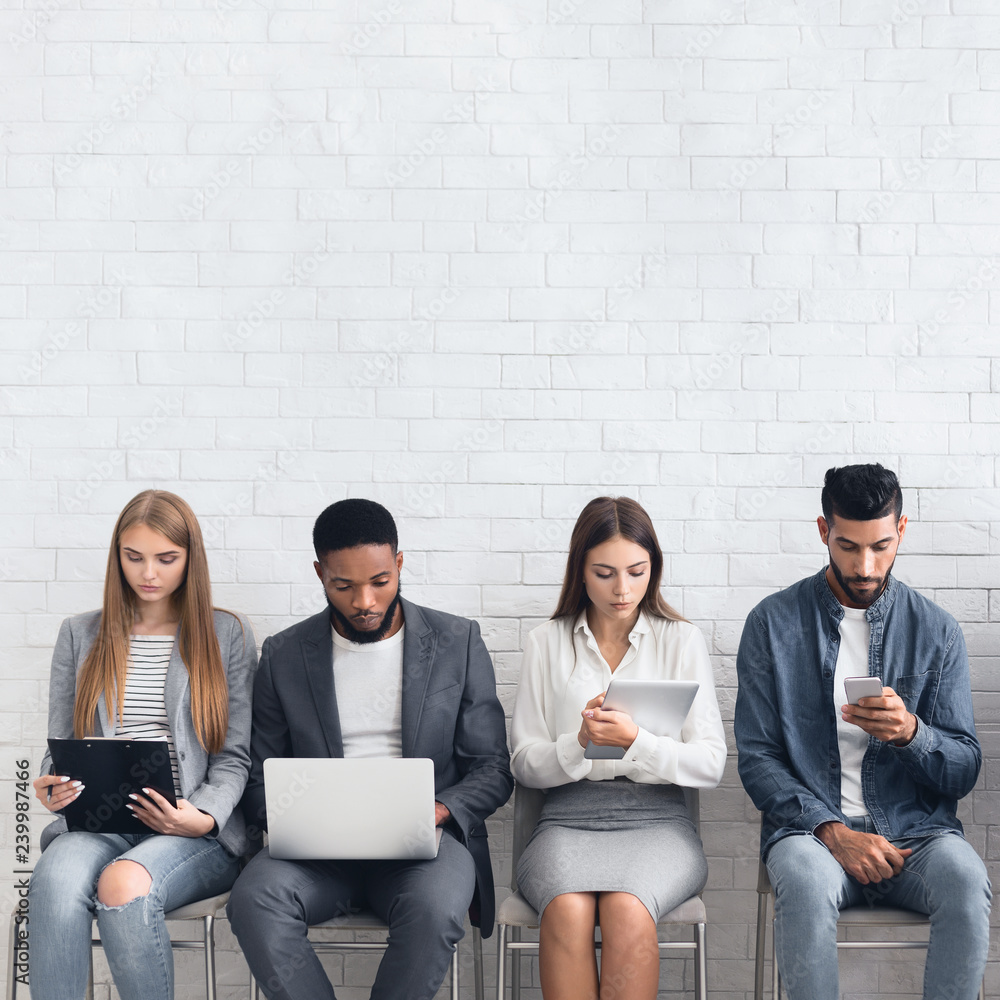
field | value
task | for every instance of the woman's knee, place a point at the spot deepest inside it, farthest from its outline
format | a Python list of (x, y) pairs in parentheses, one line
[(571, 915), (624, 916), (68, 871), (121, 882), (623, 908)]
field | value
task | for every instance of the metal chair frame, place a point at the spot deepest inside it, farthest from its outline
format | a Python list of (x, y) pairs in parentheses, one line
[(527, 806), (203, 910)]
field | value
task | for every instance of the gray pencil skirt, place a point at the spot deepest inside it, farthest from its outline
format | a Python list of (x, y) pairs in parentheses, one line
[(614, 836)]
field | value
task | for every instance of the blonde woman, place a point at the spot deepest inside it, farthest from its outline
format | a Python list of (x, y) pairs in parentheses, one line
[(614, 844), (158, 661)]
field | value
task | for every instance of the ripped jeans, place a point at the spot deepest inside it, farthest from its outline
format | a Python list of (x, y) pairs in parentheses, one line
[(63, 902)]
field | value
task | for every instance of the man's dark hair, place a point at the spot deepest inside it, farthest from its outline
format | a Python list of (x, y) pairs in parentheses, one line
[(861, 493), (349, 523)]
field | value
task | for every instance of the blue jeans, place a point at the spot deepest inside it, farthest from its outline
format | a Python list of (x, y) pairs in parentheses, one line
[(63, 902), (943, 877)]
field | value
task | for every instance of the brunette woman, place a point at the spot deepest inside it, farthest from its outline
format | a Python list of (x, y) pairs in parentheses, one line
[(615, 844)]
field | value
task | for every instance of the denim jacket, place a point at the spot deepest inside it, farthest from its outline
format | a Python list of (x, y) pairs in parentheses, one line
[(786, 721)]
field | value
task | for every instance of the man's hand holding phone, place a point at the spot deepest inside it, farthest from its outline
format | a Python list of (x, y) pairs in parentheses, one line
[(878, 710)]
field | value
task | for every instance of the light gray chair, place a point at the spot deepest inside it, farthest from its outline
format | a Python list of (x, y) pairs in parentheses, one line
[(515, 914), (367, 921), (853, 917), (204, 910)]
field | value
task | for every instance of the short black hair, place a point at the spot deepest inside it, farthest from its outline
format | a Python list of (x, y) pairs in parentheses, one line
[(349, 523), (861, 493)]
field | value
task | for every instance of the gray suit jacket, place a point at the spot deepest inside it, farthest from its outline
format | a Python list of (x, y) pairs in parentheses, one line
[(213, 783), (450, 714)]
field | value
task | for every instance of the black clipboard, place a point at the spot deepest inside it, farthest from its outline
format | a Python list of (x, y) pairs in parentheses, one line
[(111, 769)]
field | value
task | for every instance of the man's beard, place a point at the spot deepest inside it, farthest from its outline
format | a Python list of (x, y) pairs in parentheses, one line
[(356, 635), (864, 600)]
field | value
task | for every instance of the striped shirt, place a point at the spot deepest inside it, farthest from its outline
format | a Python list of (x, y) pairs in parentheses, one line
[(145, 710)]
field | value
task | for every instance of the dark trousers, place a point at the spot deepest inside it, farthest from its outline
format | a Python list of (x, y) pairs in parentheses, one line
[(424, 903)]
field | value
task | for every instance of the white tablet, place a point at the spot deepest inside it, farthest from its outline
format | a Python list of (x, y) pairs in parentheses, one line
[(659, 707)]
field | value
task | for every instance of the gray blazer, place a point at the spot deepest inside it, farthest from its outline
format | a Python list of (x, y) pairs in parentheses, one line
[(450, 714), (213, 783)]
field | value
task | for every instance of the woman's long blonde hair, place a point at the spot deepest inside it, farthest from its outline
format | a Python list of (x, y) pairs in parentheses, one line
[(106, 665)]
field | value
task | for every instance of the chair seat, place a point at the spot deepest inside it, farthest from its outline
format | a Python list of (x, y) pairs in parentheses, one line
[(199, 908), (515, 911)]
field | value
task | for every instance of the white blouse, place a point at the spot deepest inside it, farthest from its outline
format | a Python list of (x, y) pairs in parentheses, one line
[(563, 669)]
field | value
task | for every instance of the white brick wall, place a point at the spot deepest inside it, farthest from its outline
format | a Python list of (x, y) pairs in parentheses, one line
[(482, 262)]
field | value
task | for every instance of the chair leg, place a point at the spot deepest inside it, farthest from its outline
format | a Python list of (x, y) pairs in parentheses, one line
[(982, 989), (515, 966), (700, 964), (761, 945), (477, 961), (775, 974), (210, 956), (12, 957), (254, 988), (454, 974), (501, 960)]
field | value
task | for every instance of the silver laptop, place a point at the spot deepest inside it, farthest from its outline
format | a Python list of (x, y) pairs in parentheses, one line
[(359, 808)]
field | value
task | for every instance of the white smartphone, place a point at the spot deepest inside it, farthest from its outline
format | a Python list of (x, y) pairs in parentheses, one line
[(862, 687)]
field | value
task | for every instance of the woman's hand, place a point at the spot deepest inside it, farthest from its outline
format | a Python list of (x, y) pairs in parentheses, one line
[(159, 815), (606, 728), (56, 791)]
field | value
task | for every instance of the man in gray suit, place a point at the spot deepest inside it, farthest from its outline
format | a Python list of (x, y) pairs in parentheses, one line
[(374, 676)]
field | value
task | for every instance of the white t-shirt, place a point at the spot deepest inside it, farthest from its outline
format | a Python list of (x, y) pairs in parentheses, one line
[(368, 679), (563, 669), (852, 661)]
